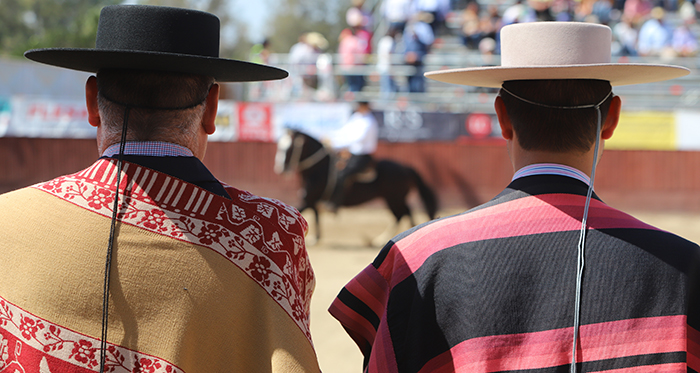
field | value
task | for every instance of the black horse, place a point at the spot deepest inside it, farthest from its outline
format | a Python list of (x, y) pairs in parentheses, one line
[(297, 151)]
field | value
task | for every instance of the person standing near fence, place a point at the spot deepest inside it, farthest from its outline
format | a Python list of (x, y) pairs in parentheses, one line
[(386, 48), (354, 48), (544, 277), (144, 261), (418, 37)]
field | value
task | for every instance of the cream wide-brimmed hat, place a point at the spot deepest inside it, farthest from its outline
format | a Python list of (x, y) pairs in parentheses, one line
[(557, 50)]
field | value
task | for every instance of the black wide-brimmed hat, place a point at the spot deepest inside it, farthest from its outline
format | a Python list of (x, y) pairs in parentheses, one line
[(157, 38)]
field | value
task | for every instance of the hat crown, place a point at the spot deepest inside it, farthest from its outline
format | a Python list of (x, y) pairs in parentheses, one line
[(555, 44), (158, 29)]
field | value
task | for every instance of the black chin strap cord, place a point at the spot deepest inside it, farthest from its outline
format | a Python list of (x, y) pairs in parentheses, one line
[(110, 246)]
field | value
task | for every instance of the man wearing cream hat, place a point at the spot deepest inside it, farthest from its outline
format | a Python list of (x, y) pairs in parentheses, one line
[(545, 277)]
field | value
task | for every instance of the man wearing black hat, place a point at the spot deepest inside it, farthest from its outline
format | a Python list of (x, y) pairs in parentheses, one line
[(545, 277), (144, 261)]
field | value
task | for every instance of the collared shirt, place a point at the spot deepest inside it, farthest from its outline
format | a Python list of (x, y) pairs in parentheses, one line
[(172, 159), (150, 148), (551, 169)]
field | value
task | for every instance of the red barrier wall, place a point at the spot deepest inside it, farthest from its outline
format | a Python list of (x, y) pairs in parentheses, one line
[(463, 175)]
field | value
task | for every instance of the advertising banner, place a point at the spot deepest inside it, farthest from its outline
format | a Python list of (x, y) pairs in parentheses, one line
[(409, 124), (5, 113), (39, 117), (226, 122), (688, 130), (36, 116), (644, 130), (479, 128), (255, 122), (314, 119)]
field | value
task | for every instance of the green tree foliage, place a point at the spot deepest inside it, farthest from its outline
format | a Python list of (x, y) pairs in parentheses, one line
[(237, 48), (28, 24)]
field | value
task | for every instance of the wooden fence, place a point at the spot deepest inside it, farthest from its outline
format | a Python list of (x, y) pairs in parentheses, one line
[(462, 175)]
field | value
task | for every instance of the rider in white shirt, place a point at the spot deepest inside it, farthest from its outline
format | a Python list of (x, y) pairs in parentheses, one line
[(358, 140)]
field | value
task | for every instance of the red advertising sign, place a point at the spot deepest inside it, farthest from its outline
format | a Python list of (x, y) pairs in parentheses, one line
[(255, 122), (479, 125)]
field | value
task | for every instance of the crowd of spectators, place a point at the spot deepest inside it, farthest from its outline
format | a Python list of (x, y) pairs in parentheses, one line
[(657, 28), (389, 35)]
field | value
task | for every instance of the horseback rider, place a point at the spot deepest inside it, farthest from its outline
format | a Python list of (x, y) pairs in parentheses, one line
[(356, 141)]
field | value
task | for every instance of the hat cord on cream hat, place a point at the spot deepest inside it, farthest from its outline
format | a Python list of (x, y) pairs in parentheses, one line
[(557, 50)]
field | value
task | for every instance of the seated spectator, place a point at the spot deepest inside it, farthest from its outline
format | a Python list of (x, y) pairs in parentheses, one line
[(654, 36), (438, 9), (302, 61), (601, 9), (528, 11), (637, 10), (470, 26), (625, 35), (396, 13), (477, 26), (683, 41)]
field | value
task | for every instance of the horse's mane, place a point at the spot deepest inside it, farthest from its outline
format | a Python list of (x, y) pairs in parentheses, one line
[(304, 133)]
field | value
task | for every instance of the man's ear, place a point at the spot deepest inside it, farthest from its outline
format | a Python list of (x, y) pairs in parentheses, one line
[(93, 108), (503, 119), (209, 117), (612, 119)]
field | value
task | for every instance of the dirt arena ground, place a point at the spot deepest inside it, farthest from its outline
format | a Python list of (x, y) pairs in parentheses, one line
[(343, 251)]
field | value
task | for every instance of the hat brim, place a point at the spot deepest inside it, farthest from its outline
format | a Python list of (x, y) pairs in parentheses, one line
[(93, 60), (616, 73)]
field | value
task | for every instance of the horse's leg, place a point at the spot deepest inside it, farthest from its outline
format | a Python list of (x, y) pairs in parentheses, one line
[(313, 240), (399, 209), (310, 241), (391, 230), (318, 223)]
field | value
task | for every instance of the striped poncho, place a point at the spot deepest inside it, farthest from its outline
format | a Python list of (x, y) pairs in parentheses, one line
[(493, 290)]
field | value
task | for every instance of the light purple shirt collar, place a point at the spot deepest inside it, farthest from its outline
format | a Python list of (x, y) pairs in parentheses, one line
[(150, 148), (552, 169)]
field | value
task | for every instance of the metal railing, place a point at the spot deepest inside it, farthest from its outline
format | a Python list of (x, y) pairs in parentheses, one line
[(681, 93)]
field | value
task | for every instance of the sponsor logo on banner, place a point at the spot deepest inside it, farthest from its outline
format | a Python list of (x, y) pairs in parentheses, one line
[(255, 122), (226, 121), (406, 122), (479, 128), (35, 117), (403, 124), (479, 125)]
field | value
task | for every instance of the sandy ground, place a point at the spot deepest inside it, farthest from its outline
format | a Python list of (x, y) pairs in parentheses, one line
[(343, 251)]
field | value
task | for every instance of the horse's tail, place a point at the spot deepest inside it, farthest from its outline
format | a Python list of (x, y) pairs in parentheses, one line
[(427, 195)]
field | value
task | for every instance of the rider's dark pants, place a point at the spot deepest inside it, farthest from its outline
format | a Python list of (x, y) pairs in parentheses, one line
[(354, 165)]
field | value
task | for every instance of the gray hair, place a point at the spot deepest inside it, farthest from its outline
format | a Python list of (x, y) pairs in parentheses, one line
[(163, 106)]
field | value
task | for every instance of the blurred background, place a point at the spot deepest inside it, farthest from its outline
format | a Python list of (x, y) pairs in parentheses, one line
[(339, 52), (343, 51)]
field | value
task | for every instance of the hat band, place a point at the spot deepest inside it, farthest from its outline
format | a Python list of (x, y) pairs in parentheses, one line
[(197, 103), (559, 107)]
